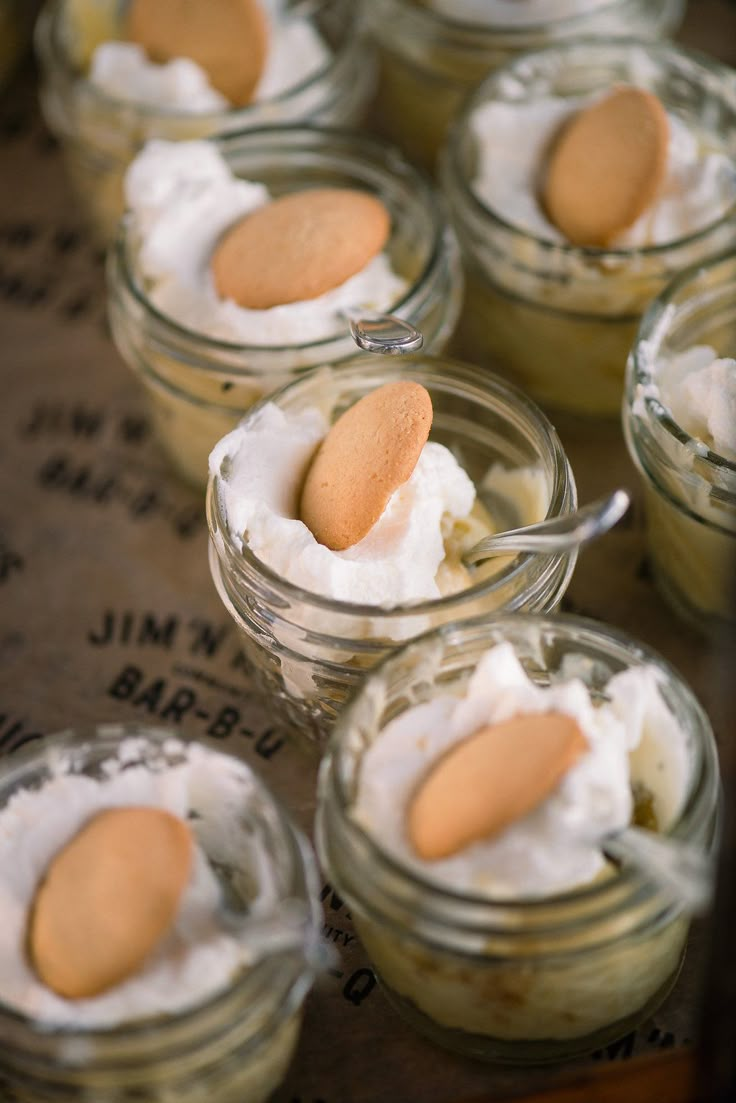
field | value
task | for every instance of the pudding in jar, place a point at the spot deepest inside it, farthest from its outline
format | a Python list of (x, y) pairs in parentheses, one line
[(552, 300), (116, 74), (137, 876), (497, 922), (326, 557), (433, 53), (239, 260), (679, 418)]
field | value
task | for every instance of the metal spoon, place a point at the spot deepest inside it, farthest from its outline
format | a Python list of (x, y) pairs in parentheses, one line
[(383, 333), (682, 870), (560, 534), (291, 930)]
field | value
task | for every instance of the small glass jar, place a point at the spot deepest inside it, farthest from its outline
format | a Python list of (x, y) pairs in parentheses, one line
[(528, 980), (558, 318), (236, 1045), (100, 135), (690, 490), (308, 652), (199, 387), (429, 61)]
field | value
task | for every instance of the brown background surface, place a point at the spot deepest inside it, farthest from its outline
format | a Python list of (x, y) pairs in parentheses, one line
[(107, 610)]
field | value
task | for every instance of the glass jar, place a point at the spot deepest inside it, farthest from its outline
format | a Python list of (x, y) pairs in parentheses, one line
[(558, 318), (308, 652), (430, 61), (533, 979), (690, 490), (236, 1045), (199, 387), (100, 135)]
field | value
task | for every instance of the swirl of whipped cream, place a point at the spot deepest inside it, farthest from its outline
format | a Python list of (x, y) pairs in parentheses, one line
[(123, 71), (699, 185), (182, 196), (397, 562), (633, 739)]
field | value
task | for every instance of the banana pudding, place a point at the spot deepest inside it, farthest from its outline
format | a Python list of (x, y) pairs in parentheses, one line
[(138, 875), (497, 922), (314, 614), (553, 303), (336, 222), (679, 418)]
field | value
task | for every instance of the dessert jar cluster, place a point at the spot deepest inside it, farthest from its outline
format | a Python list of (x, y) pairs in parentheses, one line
[(433, 53), (309, 651), (560, 318), (679, 428), (199, 385), (531, 946), (210, 1015), (324, 73)]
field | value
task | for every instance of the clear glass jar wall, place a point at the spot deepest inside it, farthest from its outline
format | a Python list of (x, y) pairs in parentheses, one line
[(560, 319), (238, 1044), (430, 60), (199, 387), (523, 981), (100, 135), (690, 490), (309, 652)]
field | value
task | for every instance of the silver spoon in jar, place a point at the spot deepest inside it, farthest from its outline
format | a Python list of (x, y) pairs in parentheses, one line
[(384, 333), (290, 931), (557, 534), (682, 870)]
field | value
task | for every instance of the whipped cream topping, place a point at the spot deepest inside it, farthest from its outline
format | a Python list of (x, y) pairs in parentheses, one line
[(633, 739), (262, 466), (198, 956), (515, 13), (699, 389), (699, 185), (123, 71), (182, 196)]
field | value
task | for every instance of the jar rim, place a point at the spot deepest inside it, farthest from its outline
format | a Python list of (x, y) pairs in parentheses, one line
[(487, 33), (663, 52), (620, 891), (397, 165), (440, 369), (107, 736), (653, 327), (47, 38)]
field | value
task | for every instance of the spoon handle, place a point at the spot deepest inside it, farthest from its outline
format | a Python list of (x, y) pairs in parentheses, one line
[(288, 931), (384, 333), (680, 869), (560, 534)]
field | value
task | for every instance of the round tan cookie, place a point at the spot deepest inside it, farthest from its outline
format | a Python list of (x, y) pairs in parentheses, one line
[(107, 899), (299, 246), (606, 166), (490, 780), (227, 38), (369, 452)]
